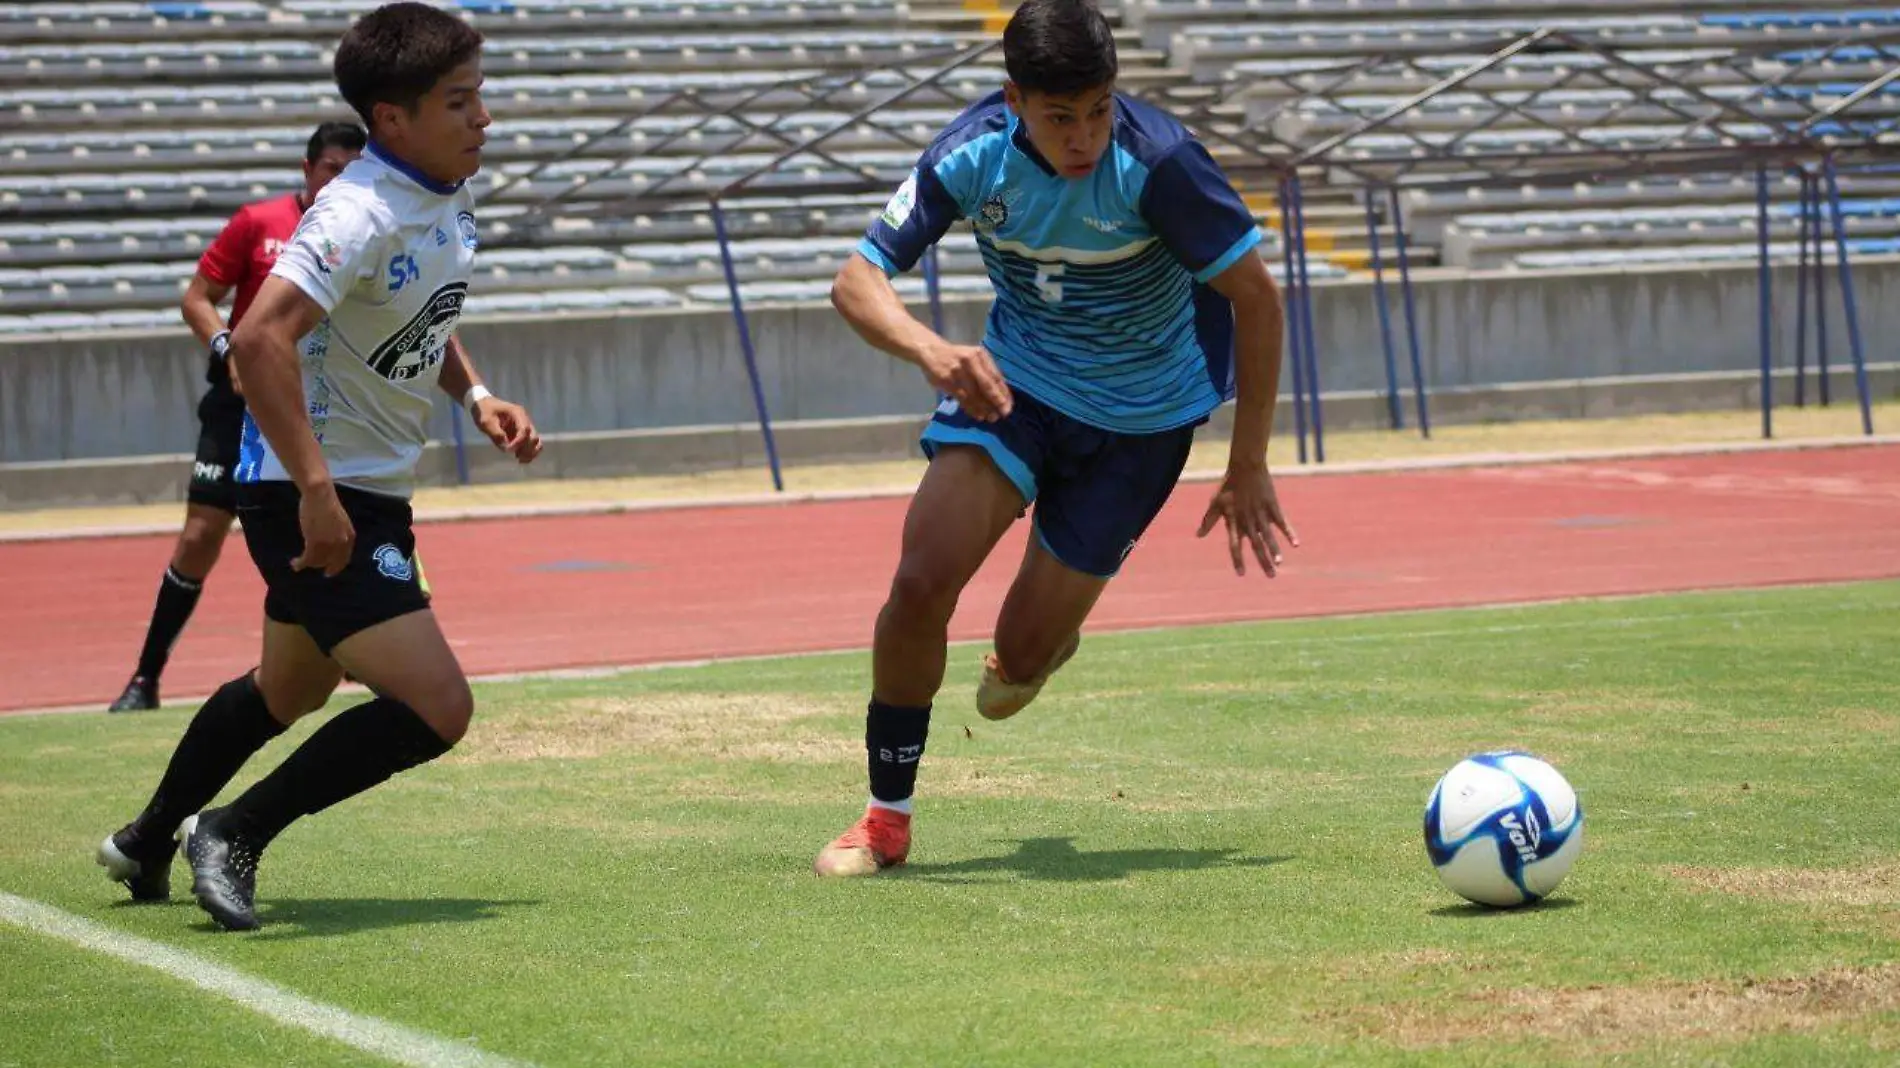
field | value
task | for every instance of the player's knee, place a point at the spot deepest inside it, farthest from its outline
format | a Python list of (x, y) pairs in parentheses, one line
[(1024, 656), (1019, 661), (449, 711), (198, 548), (919, 592), (290, 700)]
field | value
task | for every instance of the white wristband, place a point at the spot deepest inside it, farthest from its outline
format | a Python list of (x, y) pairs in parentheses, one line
[(473, 396)]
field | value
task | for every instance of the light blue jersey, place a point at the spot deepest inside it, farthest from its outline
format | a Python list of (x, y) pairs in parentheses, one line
[(1102, 308)]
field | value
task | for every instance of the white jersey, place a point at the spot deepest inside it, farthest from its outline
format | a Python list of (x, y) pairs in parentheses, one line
[(388, 255)]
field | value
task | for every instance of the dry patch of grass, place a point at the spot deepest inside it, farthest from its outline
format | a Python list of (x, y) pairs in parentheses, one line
[(1610, 1018), (974, 777), (756, 727), (1874, 885)]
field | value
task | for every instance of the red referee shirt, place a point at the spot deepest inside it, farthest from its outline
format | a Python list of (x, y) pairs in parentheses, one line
[(245, 249)]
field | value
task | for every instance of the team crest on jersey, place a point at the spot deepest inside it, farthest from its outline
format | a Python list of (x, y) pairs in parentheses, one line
[(418, 346), (994, 214), (465, 222), (392, 564)]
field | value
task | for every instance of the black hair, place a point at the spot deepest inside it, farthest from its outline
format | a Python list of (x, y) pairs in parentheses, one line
[(396, 54), (1059, 46), (347, 136)]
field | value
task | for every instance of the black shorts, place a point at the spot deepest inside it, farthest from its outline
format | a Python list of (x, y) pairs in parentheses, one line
[(1095, 491), (220, 425), (380, 583)]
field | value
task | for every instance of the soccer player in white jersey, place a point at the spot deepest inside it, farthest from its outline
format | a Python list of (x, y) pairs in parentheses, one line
[(340, 354)]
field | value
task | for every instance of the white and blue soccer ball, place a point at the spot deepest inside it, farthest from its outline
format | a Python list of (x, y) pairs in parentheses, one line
[(1503, 828)]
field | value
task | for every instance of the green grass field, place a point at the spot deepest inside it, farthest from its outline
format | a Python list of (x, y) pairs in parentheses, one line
[(1200, 847)]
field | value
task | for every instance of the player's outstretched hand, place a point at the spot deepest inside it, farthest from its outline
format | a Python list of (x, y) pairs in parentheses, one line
[(328, 535), (967, 374), (508, 425), (1251, 509)]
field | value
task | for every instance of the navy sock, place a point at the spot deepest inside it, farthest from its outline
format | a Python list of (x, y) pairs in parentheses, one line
[(894, 742)]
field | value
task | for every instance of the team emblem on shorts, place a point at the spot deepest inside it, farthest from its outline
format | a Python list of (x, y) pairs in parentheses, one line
[(392, 564), (465, 222)]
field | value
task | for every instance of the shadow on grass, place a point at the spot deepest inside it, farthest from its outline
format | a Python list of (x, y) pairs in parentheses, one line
[(1486, 912), (1057, 860), (288, 918)]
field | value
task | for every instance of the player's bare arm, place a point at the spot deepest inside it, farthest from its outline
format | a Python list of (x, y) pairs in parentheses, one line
[(505, 423), (200, 309), (1246, 501), (264, 352), (868, 301)]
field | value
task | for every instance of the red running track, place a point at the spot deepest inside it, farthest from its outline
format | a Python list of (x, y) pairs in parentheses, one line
[(537, 593)]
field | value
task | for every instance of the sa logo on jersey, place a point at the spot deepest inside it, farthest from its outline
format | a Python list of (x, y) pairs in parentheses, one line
[(402, 271), (418, 346), (465, 222)]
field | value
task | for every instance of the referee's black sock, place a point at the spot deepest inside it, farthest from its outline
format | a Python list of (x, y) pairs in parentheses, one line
[(177, 598), (231, 726), (358, 749)]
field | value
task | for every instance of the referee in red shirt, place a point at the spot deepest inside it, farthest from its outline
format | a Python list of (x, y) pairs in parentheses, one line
[(239, 260)]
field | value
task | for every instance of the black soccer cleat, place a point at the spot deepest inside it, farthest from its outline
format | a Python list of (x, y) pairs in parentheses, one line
[(223, 870), (141, 865), (141, 695)]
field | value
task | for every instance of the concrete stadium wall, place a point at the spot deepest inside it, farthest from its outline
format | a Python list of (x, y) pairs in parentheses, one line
[(116, 396)]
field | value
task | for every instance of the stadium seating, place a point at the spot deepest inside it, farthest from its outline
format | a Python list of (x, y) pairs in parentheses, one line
[(129, 131)]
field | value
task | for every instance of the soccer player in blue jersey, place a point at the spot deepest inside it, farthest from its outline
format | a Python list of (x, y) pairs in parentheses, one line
[(1130, 303)]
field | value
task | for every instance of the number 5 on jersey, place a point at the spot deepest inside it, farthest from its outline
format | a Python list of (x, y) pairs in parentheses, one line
[(1048, 282), (402, 271)]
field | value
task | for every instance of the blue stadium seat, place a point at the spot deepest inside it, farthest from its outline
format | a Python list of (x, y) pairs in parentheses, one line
[(1755, 20)]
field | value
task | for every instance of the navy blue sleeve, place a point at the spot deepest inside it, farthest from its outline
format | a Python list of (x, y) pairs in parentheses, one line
[(920, 213), (1193, 208)]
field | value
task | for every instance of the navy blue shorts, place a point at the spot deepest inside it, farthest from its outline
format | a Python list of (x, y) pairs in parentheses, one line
[(1095, 491)]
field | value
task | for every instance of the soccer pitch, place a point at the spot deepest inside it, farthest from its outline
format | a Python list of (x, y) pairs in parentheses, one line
[(1201, 846)]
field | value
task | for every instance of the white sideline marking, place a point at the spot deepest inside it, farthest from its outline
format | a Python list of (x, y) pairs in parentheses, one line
[(367, 1033)]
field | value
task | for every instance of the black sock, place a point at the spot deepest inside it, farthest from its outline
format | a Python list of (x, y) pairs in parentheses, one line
[(358, 749), (177, 598), (894, 741), (231, 726)]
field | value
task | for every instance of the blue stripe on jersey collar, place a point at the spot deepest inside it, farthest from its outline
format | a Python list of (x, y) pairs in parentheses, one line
[(403, 168)]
